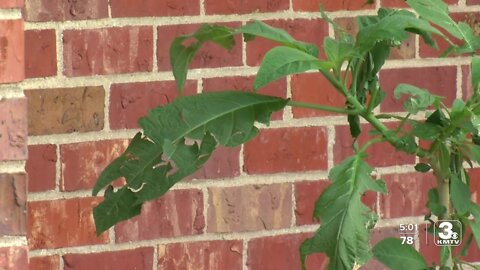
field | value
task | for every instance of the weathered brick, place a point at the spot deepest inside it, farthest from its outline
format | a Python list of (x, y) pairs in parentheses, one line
[(314, 88), (13, 129), (14, 258), (312, 31), (65, 110), (405, 50), (11, 3), (401, 3), (286, 150), (328, 5), (404, 190), (12, 46), (473, 2), (438, 80), (176, 213), (13, 188), (108, 51), (211, 255), (154, 8), (276, 89), (242, 6), (139, 259), (82, 163), (41, 167), (379, 154), (209, 56), (44, 263), (40, 53), (59, 10), (308, 192), (131, 101), (62, 223), (224, 162), (281, 253), (249, 208), (467, 89)]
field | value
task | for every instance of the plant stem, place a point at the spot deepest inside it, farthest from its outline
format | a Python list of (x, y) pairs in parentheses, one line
[(321, 107)]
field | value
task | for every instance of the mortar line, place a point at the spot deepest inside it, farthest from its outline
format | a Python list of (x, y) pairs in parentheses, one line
[(109, 10), (59, 44), (241, 160), (12, 167), (199, 86), (106, 106), (58, 168), (290, 6), (288, 110), (61, 263), (11, 92), (206, 203), (202, 8), (155, 257), (331, 142), (13, 241), (293, 220), (459, 83), (10, 14), (155, 53), (244, 254)]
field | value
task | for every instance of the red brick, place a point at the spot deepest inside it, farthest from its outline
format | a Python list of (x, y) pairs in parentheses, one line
[(139, 259), (82, 163), (211, 255), (473, 2), (401, 3), (40, 53), (474, 175), (65, 110), (131, 101), (467, 89), (244, 6), (472, 19), (328, 5), (13, 129), (62, 223), (177, 213), (286, 150), (404, 190), (406, 50), (14, 258), (312, 31), (108, 51), (224, 162), (13, 188), (276, 89), (44, 263), (307, 194), (11, 3), (314, 88), (281, 253), (154, 8), (379, 154), (209, 56), (249, 208), (12, 46), (60, 10), (41, 167), (438, 80), (377, 235)]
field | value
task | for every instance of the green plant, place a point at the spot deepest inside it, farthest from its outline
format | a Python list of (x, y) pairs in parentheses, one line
[(178, 138)]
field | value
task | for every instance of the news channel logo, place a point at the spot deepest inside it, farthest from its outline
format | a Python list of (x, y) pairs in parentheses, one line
[(447, 233)]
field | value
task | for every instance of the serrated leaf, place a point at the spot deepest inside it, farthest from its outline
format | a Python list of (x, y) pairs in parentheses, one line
[(434, 204), (436, 11), (460, 195), (345, 221), (392, 253), (181, 56), (338, 51), (419, 100), (282, 61), (392, 27), (422, 167), (260, 29), (178, 139)]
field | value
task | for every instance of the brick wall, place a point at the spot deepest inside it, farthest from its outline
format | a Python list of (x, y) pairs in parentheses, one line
[(13, 139), (93, 67)]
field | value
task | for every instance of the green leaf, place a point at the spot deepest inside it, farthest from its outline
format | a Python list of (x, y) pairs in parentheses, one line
[(422, 167), (444, 160), (460, 195), (178, 139), (426, 131), (444, 254), (420, 99), (392, 27), (260, 29), (397, 256), (434, 204), (338, 51), (475, 73), (282, 61), (345, 221), (475, 225), (436, 11), (181, 56), (437, 118), (354, 125)]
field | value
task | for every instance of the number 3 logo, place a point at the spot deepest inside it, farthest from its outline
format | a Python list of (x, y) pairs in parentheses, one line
[(447, 232)]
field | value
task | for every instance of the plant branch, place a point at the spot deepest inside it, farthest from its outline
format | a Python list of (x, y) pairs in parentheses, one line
[(321, 107)]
